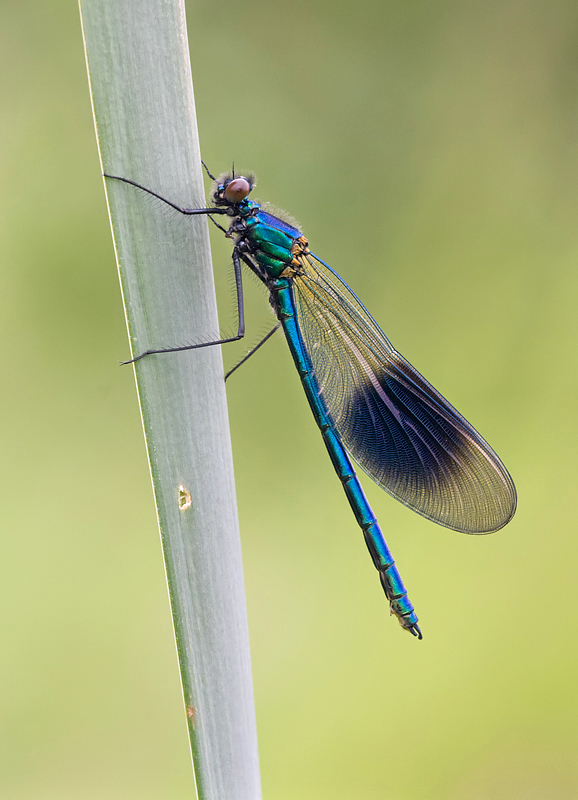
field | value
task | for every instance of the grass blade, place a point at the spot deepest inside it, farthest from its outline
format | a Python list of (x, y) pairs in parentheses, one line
[(139, 70)]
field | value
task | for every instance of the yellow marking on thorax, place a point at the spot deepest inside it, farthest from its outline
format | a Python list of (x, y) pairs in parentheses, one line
[(299, 249)]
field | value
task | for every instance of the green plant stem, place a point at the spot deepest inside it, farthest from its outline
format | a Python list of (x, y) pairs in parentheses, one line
[(142, 95)]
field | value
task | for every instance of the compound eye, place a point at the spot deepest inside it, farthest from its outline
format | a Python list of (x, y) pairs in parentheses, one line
[(237, 190)]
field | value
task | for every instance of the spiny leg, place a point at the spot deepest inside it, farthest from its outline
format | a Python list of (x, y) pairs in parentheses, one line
[(212, 177), (187, 211), (254, 350), (240, 313), (220, 227)]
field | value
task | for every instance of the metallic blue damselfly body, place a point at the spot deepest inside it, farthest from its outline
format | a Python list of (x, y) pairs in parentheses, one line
[(370, 404)]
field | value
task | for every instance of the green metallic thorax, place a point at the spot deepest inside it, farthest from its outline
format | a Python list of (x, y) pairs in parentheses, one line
[(271, 245)]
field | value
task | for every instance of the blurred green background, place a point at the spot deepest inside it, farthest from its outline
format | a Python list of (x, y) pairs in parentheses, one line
[(429, 151)]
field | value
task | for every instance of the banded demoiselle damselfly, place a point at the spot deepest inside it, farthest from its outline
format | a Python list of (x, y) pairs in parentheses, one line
[(367, 400)]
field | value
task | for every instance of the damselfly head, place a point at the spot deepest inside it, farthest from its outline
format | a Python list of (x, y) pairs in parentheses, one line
[(230, 190), (237, 190)]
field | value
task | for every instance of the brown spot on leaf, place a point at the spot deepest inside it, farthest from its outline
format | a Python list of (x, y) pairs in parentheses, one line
[(184, 498)]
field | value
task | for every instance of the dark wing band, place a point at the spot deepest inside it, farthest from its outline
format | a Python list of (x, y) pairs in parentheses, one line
[(395, 425)]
